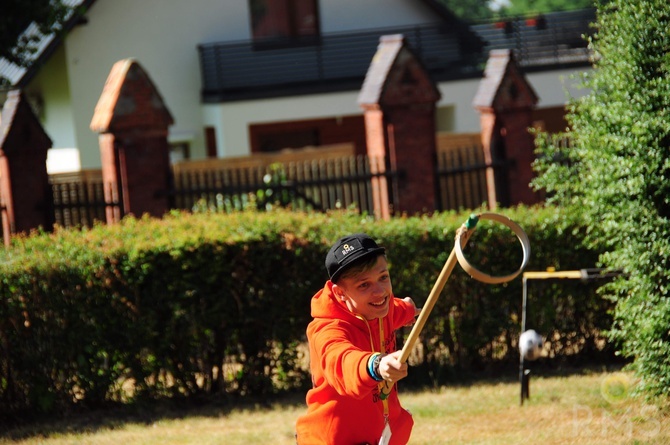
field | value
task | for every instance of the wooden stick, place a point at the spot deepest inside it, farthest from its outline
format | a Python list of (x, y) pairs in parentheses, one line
[(435, 292)]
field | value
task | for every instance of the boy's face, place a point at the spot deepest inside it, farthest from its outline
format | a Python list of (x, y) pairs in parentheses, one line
[(367, 294)]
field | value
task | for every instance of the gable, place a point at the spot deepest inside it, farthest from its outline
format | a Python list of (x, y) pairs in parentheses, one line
[(396, 76), (129, 100), (504, 86), (19, 127)]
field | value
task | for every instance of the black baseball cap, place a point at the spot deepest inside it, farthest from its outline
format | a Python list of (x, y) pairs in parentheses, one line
[(349, 249)]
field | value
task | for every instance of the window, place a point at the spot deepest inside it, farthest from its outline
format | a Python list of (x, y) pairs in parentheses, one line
[(284, 22), (276, 136), (271, 142), (210, 142)]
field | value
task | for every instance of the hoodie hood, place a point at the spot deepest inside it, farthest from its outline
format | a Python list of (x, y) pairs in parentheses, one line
[(326, 305)]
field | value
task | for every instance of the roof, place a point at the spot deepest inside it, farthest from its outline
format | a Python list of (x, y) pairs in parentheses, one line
[(46, 45)]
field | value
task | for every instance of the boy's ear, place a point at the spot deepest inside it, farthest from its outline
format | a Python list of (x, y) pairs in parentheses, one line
[(338, 291)]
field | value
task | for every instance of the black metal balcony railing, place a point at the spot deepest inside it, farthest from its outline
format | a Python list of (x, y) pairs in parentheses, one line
[(542, 42), (339, 61)]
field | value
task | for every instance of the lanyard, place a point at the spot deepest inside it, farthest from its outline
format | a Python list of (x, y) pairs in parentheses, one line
[(384, 388)]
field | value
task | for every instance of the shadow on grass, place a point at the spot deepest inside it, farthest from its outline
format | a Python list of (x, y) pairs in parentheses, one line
[(508, 373), (81, 420)]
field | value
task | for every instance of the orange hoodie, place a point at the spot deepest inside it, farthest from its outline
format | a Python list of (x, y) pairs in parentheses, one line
[(343, 406)]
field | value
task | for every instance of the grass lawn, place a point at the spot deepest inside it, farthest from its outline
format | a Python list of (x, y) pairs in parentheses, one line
[(589, 408)]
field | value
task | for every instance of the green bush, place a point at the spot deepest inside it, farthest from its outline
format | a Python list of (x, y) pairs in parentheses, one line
[(616, 174), (208, 304)]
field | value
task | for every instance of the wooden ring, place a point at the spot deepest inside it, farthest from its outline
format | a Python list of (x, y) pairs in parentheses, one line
[(486, 278)]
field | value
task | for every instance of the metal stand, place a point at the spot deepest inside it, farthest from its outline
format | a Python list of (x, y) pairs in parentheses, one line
[(524, 377), (582, 274)]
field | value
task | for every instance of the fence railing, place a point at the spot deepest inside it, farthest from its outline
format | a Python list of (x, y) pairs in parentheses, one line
[(314, 185), (461, 177), (78, 198), (340, 60), (311, 185), (240, 68), (78, 203), (543, 41)]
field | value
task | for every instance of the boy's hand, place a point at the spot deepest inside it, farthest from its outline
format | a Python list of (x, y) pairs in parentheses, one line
[(417, 310), (390, 368)]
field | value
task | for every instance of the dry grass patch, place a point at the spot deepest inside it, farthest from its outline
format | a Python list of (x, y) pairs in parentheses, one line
[(591, 409), (588, 409)]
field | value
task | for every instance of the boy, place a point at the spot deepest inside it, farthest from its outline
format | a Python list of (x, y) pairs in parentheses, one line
[(353, 357)]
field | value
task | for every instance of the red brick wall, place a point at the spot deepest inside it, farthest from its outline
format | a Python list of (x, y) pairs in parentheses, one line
[(412, 150)]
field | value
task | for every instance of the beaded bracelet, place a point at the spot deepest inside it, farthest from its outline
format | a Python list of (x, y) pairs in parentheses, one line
[(373, 366)]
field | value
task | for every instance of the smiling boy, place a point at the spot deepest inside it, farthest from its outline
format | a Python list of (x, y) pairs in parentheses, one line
[(353, 357)]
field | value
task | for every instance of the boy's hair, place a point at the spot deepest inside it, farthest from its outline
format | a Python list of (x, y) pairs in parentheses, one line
[(358, 267)]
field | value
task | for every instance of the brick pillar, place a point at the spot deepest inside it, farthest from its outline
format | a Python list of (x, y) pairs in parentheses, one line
[(398, 98), (490, 136), (505, 101), (26, 199), (376, 146), (132, 121)]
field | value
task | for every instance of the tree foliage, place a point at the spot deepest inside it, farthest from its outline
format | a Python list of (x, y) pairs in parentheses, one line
[(470, 10), (482, 10), (617, 174), (17, 15), (526, 7)]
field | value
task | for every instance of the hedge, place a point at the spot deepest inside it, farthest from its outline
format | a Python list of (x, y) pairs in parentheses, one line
[(211, 304)]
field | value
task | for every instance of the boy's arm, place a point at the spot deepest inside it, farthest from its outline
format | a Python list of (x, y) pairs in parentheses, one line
[(405, 312), (343, 365)]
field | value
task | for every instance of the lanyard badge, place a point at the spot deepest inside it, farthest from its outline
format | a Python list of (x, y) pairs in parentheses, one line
[(386, 434)]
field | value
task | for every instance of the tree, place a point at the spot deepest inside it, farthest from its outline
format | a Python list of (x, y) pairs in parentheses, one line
[(470, 10), (482, 10), (17, 15), (617, 174), (526, 7)]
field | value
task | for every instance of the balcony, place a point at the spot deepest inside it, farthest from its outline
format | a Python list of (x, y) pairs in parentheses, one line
[(552, 41), (339, 62)]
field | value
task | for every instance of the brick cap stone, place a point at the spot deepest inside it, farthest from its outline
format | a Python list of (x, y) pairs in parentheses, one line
[(129, 100), (504, 86), (18, 120), (396, 76)]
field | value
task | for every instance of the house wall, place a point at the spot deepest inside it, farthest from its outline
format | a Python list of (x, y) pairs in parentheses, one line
[(49, 94), (553, 89), (455, 112), (163, 35), (348, 15)]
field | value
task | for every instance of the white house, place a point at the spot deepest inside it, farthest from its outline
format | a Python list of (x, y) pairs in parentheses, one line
[(241, 76)]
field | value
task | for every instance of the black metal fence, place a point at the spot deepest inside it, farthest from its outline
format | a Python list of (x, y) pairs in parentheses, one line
[(314, 185), (240, 69), (461, 178), (78, 203), (543, 41)]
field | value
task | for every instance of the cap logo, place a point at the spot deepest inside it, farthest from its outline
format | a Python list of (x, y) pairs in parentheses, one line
[(347, 249)]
